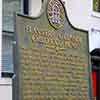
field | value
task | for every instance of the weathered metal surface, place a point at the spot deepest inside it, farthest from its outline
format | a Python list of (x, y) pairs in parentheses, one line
[(52, 61)]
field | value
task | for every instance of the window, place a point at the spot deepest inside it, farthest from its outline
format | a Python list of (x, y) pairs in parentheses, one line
[(96, 5), (96, 8), (9, 8), (7, 57), (26, 7)]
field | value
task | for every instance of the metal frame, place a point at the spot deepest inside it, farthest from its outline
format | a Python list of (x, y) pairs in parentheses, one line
[(16, 69)]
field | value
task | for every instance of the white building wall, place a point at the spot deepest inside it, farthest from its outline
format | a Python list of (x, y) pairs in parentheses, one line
[(5, 83), (94, 39), (80, 14), (5, 89), (35, 7)]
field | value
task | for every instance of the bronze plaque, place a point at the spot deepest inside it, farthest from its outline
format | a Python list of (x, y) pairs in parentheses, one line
[(51, 57)]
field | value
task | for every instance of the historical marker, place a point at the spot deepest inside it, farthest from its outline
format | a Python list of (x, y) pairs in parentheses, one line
[(51, 57)]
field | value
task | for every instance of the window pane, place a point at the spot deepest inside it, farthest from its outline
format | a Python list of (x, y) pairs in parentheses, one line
[(26, 7), (9, 8), (7, 57)]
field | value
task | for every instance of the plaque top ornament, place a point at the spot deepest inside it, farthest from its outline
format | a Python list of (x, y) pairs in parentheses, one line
[(56, 13)]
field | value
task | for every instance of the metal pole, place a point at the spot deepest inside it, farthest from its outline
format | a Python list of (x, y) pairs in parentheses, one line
[(97, 60), (98, 83)]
